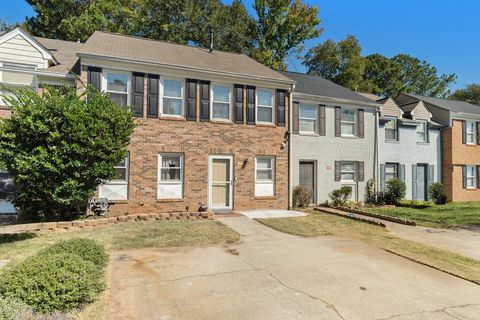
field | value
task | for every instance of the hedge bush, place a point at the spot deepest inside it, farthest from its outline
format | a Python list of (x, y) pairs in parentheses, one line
[(395, 191), (87, 249), (437, 193), (302, 197), (53, 282), (340, 196)]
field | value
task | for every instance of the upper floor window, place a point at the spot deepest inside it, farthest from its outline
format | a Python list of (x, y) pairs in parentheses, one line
[(470, 132), (391, 130), (422, 131), (172, 97), (264, 106), (308, 118), (117, 85), (348, 171), (348, 119), (221, 102)]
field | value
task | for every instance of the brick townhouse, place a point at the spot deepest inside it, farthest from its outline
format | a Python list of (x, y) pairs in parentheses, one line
[(460, 149), (212, 126)]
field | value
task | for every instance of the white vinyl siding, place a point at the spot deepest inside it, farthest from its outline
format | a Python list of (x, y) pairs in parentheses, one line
[(264, 112), (117, 85), (308, 118), (170, 176), (348, 171), (172, 96), (264, 176), (348, 121), (117, 188), (221, 102), (470, 177), (422, 131), (391, 129), (20, 50), (470, 132)]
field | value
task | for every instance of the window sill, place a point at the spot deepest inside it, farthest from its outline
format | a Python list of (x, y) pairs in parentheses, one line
[(422, 143), (265, 124), (172, 118), (170, 200), (219, 121), (118, 201), (349, 137), (471, 145), (309, 134), (392, 141), (265, 198)]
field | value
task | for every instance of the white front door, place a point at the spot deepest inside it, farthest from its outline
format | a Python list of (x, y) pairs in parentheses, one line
[(220, 182)]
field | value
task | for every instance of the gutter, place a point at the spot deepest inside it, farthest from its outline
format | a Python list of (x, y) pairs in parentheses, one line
[(186, 68), (334, 100), (68, 76)]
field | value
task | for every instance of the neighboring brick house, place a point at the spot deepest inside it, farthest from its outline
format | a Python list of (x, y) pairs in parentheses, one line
[(409, 146), (31, 61), (332, 140), (460, 144)]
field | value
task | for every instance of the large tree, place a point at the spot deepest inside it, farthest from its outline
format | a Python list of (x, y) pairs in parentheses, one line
[(343, 63), (340, 62), (282, 28), (59, 147), (470, 94)]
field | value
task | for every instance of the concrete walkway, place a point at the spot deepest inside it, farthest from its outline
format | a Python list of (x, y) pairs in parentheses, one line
[(272, 213), (272, 275)]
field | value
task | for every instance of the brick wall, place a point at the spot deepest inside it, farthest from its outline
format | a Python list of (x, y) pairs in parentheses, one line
[(196, 141), (455, 155)]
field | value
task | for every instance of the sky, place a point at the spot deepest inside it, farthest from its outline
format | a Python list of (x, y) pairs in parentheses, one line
[(444, 33)]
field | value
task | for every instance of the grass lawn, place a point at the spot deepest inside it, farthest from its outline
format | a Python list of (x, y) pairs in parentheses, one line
[(130, 235), (320, 224), (453, 214)]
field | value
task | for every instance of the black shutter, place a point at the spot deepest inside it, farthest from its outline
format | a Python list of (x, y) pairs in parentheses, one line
[(427, 128), (464, 132), (152, 103), (478, 132), (464, 177), (338, 128), (204, 100), (478, 177), (296, 117), (191, 113), (239, 102), (338, 168), (321, 120), (250, 105), (361, 125), (361, 171), (137, 90), (280, 101), (94, 77)]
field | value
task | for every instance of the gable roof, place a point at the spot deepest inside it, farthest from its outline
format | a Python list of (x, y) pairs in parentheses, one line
[(135, 49), (370, 96), (318, 86), (47, 55), (452, 105), (65, 52)]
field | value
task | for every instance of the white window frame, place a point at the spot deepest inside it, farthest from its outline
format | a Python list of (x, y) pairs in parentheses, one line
[(129, 82), (127, 173), (348, 171), (182, 98), (423, 125), (469, 133), (261, 183), (470, 177), (395, 166), (118, 182), (354, 122), (264, 106), (394, 119), (315, 120), (230, 97), (169, 182)]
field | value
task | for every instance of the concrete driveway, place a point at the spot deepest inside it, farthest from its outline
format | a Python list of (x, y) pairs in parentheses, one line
[(271, 275)]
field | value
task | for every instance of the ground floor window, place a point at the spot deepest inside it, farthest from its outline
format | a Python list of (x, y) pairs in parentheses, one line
[(348, 172), (470, 177), (7, 189), (170, 176), (264, 176), (391, 171), (117, 188)]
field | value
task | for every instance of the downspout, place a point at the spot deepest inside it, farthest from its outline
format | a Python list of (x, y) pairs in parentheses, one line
[(375, 152), (289, 137)]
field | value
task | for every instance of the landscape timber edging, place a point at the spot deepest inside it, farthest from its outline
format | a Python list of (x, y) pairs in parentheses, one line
[(349, 216), (379, 216)]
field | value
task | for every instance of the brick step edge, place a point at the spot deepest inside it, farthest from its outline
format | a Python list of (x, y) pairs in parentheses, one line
[(61, 226), (379, 216), (350, 216)]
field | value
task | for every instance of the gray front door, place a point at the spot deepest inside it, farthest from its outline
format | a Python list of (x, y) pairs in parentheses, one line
[(421, 182), (307, 177)]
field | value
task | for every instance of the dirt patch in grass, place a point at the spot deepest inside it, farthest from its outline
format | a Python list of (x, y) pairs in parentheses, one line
[(319, 224), (453, 214)]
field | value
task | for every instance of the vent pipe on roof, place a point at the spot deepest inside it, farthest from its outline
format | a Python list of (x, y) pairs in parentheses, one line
[(210, 32)]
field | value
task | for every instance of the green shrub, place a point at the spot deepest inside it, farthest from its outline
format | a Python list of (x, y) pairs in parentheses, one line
[(13, 309), (302, 196), (395, 191), (340, 196), (87, 249), (437, 193), (53, 282)]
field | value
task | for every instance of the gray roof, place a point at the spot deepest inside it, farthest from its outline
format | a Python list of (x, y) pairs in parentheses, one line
[(65, 52), (156, 52), (452, 105), (316, 85)]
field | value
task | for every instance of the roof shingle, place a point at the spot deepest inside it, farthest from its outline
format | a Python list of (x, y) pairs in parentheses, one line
[(452, 105)]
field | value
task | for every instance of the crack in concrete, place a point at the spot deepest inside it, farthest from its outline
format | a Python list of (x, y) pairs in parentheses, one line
[(432, 311), (328, 304)]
